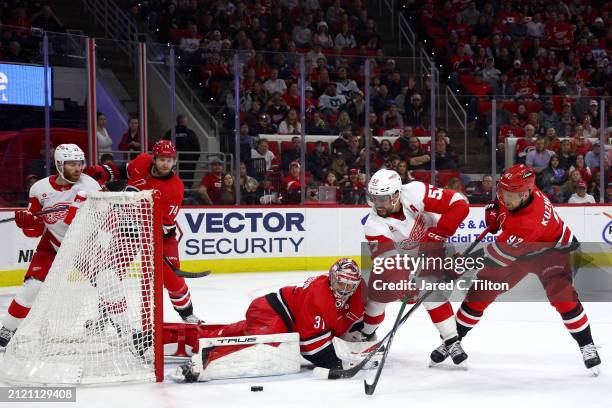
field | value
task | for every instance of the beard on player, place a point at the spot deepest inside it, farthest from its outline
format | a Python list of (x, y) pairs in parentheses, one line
[(72, 170), (384, 205), (162, 166)]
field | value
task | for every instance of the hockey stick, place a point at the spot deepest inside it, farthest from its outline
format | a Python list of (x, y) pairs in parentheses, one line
[(37, 213), (334, 374), (185, 274), (370, 388)]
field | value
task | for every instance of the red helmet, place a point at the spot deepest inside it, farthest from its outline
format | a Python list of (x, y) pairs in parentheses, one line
[(517, 178), (164, 148)]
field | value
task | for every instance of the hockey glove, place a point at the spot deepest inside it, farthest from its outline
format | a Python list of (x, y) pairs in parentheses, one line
[(25, 219), (492, 217)]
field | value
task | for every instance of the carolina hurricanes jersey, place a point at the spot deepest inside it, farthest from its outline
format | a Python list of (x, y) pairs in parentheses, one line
[(528, 231), (312, 310), (423, 206), (46, 194), (171, 187)]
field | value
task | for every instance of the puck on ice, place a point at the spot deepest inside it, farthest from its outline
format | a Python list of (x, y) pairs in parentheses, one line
[(256, 388)]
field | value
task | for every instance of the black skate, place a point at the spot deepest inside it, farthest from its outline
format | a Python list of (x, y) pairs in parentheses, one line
[(451, 347), (591, 358), (5, 336)]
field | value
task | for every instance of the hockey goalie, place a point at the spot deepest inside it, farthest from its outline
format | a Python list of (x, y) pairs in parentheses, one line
[(315, 316)]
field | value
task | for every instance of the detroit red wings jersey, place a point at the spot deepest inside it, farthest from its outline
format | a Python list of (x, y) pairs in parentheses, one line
[(46, 194), (314, 315), (171, 187), (533, 229), (423, 206)]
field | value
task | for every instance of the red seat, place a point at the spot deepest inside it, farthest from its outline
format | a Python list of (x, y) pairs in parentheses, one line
[(484, 106), (436, 32), (466, 79), (444, 177), (177, 33), (441, 43), (533, 106), (511, 106), (311, 146), (422, 175), (286, 145), (274, 148)]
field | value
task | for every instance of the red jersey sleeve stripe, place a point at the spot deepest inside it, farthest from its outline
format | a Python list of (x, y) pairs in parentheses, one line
[(378, 238)]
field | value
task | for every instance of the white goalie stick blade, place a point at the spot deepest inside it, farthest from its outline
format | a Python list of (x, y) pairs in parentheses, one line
[(321, 373), (186, 274)]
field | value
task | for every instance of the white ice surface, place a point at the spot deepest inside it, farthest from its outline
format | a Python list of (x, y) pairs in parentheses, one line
[(520, 356)]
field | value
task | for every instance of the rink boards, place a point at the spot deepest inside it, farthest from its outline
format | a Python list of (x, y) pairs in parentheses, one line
[(269, 239)]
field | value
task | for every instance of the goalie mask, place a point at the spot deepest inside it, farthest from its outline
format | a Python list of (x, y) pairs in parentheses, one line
[(65, 153), (344, 279)]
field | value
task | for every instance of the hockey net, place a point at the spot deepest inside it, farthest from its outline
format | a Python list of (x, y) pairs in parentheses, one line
[(95, 318)]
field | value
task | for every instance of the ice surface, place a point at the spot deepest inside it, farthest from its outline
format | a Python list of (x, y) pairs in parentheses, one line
[(520, 356)]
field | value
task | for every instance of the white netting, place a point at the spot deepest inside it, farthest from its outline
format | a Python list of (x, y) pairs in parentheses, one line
[(92, 321)]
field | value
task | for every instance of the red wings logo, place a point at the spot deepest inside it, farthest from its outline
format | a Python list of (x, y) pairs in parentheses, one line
[(54, 217)]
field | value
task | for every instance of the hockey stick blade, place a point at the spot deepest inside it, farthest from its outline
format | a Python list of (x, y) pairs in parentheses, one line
[(185, 274), (43, 212)]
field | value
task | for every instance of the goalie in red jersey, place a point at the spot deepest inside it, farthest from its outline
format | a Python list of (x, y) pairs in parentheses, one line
[(156, 172), (321, 311), (533, 239)]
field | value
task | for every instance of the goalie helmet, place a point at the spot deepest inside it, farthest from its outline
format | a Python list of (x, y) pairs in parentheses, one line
[(344, 279), (67, 152)]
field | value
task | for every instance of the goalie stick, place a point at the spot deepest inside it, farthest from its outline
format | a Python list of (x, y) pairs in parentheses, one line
[(334, 374), (37, 213), (186, 274)]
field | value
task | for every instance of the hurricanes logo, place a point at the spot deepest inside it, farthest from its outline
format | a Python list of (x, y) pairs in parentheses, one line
[(54, 217)]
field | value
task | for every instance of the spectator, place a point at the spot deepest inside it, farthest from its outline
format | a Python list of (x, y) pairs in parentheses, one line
[(415, 112), (277, 109), (352, 153), (552, 176), (580, 144), (291, 124), (302, 35), (331, 103), (567, 158), (341, 144), (345, 85), (274, 84), (314, 54), (539, 158), (526, 144), (291, 154), (547, 117), (490, 74), (383, 154), (130, 141), (571, 185), (484, 193), (322, 36), (580, 165), (454, 183), (382, 99), (339, 165), (227, 193), (292, 184), (581, 196), (445, 160), (592, 157), (345, 39), (402, 144), (37, 169), (343, 122), (263, 126), (417, 158), (245, 138), (263, 152), (267, 194), (318, 125), (402, 170), (319, 161), (392, 121), (188, 147), (104, 141), (353, 188), (211, 184), (245, 178)]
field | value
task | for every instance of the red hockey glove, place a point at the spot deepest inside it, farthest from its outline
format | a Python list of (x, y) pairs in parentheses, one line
[(25, 219), (492, 217), (103, 173)]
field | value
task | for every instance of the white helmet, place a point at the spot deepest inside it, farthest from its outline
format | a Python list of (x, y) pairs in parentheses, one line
[(67, 152), (384, 182)]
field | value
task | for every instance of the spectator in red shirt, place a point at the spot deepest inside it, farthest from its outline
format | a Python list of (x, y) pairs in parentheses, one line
[(512, 130), (130, 141), (524, 87), (210, 186)]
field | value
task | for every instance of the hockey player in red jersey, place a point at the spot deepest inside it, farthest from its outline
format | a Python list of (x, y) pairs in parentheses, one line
[(418, 218), (156, 172), (533, 239), (67, 189), (324, 307)]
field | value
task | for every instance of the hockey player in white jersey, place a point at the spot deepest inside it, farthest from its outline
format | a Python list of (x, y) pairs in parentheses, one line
[(63, 191), (414, 218)]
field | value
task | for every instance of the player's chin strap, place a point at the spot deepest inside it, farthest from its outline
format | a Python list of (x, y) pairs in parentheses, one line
[(61, 173)]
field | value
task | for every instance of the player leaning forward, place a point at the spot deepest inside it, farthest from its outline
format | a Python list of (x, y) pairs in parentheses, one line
[(533, 239), (412, 218), (321, 311), (63, 190), (156, 172)]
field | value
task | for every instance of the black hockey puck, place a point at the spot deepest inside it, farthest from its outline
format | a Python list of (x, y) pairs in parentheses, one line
[(256, 388)]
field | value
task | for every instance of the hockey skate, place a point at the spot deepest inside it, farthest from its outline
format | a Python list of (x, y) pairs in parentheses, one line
[(5, 336), (192, 319), (591, 358), (451, 347)]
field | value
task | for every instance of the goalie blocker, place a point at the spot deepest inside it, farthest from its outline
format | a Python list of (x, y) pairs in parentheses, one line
[(318, 312)]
